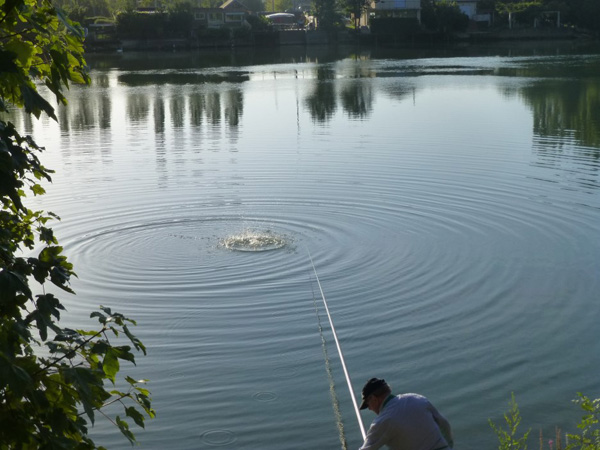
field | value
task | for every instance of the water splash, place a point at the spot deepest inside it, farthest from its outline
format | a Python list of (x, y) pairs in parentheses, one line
[(255, 241)]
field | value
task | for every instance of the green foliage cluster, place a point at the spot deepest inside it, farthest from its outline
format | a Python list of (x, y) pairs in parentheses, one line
[(258, 23), (515, 7), (178, 23), (255, 5), (38, 43), (588, 437), (589, 434), (53, 380), (508, 438), (83, 10), (271, 5), (327, 14), (443, 16), (584, 13), (579, 13)]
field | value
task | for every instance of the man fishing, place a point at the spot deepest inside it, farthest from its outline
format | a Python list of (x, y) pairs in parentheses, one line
[(403, 422)]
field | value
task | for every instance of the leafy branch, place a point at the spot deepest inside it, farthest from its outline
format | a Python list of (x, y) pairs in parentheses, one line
[(53, 380)]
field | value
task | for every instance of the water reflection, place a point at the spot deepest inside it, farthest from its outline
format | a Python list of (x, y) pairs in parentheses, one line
[(138, 106), (357, 98), (233, 105), (175, 78), (197, 104), (182, 107), (177, 110), (159, 116), (562, 92), (566, 108), (101, 80), (92, 111), (213, 108), (321, 103)]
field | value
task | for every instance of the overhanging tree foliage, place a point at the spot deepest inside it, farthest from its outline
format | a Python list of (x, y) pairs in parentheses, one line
[(53, 380)]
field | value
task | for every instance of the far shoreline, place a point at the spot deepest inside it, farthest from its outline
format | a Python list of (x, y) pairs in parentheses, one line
[(275, 39)]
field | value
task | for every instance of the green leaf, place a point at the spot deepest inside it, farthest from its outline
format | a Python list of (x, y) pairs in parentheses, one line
[(34, 103), (12, 284), (22, 50), (124, 427), (144, 402), (110, 364), (101, 317), (142, 391), (18, 378), (137, 417), (100, 347), (134, 340), (124, 353), (47, 235), (37, 189), (9, 5), (7, 62), (84, 381)]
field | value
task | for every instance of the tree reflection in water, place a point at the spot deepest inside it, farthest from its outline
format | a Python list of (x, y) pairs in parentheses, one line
[(321, 103), (565, 106)]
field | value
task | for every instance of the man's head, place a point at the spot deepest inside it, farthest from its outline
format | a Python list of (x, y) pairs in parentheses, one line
[(374, 393)]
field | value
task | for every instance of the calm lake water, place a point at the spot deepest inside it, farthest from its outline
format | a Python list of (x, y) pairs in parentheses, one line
[(450, 201)]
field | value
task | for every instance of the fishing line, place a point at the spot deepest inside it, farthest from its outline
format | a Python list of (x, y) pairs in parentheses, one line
[(339, 349), (334, 400)]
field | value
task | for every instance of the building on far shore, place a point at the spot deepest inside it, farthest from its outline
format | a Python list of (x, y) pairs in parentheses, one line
[(230, 14), (411, 10), (404, 9)]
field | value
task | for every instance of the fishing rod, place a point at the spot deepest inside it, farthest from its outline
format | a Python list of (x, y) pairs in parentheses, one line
[(339, 349)]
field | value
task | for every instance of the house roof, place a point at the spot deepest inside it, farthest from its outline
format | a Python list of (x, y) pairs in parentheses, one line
[(234, 5)]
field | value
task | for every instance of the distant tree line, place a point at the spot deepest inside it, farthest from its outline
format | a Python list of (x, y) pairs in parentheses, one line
[(175, 18), (577, 13), (445, 15)]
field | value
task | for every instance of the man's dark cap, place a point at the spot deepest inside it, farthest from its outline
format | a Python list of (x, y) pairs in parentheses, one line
[(371, 386)]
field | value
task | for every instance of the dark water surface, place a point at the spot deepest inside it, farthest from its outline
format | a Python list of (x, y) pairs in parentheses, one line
[(450, 201)]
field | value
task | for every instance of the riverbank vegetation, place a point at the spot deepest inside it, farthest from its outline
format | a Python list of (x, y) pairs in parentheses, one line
[(586, 438), (54, 380)]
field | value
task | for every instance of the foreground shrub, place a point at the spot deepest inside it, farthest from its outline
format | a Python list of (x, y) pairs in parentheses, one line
[(588, 437)]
